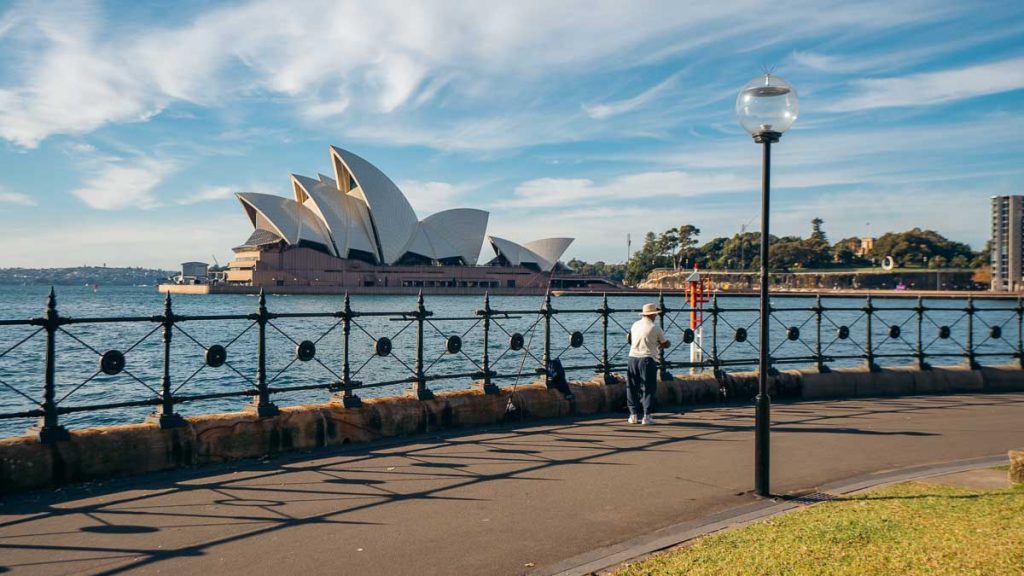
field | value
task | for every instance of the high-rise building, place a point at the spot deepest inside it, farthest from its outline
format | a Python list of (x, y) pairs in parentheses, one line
[(1008, 243)]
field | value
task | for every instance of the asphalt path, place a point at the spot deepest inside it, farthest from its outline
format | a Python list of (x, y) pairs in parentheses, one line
[(504, 500)]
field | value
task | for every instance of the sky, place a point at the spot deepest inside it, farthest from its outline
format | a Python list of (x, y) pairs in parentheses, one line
[(126, 127)]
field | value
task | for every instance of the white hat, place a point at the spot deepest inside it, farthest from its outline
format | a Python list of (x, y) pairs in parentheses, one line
[(650, 310)]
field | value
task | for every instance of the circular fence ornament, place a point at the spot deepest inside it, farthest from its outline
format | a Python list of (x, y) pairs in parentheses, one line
[(576, 339), (112, 362), (453, 344), (516, 341), (305, 351), (995, 332), (944, 332), (894, 331), (793, 333), (216, 356), (688, 336), (843, 332), (741, 334), (383, 346)]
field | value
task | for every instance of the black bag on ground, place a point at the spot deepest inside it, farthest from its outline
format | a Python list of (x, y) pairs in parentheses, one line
[(557, 380)]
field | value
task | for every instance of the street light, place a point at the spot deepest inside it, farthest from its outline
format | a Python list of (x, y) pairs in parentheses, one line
[(766, 107)]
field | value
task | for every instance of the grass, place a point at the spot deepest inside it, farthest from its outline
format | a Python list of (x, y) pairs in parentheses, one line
[(905, 529)]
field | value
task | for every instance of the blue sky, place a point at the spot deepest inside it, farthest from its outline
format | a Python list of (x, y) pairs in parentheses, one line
[(125, 127)]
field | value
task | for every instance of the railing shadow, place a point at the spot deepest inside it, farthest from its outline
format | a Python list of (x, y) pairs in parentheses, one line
[(254, 496)]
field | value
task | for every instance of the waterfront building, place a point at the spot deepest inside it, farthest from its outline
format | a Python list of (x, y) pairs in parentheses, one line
[(193, 272), (357, 232), (1007, 243), (861, 247)]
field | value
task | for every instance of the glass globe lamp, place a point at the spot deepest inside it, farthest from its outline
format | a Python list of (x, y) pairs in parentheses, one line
[(767, 106)]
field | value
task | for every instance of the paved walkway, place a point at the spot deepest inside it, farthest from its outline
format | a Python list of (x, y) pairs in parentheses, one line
[(499, 501)]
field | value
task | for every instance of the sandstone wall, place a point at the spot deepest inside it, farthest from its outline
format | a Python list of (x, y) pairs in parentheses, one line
[(113, 451)]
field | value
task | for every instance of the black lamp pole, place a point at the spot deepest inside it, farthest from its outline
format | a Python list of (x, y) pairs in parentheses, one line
[(763, 402)]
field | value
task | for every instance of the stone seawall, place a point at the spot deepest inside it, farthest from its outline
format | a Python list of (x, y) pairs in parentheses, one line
[(112, 451)]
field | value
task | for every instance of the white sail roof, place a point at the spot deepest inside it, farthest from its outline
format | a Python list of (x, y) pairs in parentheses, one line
[(285, 217), (426, 242), (392, 217), (550, 250), (461, 230), (362, 210), (344, 215)]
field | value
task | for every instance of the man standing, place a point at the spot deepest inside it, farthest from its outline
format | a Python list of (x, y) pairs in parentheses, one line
[(645, 338)]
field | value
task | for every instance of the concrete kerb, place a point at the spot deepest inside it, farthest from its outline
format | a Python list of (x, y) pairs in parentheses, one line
[(113, 451), (606, 560)]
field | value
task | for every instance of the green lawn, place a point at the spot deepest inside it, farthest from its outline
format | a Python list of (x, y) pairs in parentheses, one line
[(905, 529)]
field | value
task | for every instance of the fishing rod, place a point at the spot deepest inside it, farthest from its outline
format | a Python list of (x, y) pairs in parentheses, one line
[(510, 406)]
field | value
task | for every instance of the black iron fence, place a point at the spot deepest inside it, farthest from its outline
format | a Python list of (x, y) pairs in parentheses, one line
[(357, 351)]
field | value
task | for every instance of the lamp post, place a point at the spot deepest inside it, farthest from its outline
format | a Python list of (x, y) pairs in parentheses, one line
[(766, 107)]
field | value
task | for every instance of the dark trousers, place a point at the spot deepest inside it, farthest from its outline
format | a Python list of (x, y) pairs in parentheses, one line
[(641, 385)]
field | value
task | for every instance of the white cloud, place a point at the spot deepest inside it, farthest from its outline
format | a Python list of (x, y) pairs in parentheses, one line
[(321, 110), (552, 192), (73, 85), (429, 197), (73, 72), (601, 111), (119, 184), (208, 194), (16, 198), (931, 88), (7, 23)]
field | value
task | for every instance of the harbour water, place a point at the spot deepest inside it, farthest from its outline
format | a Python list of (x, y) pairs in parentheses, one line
[(78, 346)]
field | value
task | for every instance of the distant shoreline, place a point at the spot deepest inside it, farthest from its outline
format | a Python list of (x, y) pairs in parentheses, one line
[(984, 294)]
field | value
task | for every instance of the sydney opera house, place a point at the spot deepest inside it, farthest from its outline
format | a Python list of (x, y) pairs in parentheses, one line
[(357, 232)]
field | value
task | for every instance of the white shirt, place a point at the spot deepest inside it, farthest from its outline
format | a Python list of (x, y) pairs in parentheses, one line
[(644, 337)]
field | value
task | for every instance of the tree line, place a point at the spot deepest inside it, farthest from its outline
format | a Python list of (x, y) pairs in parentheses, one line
[(680, 248)]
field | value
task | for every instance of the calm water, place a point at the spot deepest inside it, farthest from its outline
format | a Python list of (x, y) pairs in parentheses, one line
[(21, 367)]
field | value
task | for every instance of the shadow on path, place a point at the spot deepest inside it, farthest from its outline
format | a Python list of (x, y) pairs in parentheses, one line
[(124, 525)]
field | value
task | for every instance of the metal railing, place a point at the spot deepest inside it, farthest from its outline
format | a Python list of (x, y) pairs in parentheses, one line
[(501, 342)]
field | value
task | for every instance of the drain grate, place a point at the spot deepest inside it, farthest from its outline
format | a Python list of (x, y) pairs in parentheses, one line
[(813, 498)]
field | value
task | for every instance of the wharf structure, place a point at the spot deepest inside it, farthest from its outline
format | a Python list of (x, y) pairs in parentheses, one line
[(357, 233)]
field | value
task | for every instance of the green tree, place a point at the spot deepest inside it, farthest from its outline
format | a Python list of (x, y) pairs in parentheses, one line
[(599, 269), (983, 257), (817, 234), (649, 257), (710, 254), (686, 240), (912, 247), (668, 241)]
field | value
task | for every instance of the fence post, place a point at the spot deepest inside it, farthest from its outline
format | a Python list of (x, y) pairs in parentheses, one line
[(349, 399), (546, 311), (919, 310), (714, 336), (663, 372), (48, 428), (606, 372), (489, 387), (869, 348), (969, 358), (166, 417), (822, 368), (1020, 331), (262, 406), (421, 391)]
